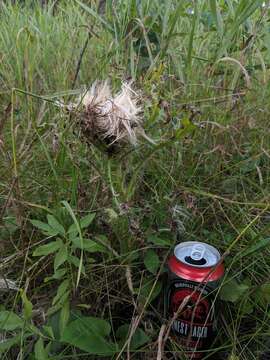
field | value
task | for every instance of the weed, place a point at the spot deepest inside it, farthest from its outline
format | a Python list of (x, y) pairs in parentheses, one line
[(85, 236)]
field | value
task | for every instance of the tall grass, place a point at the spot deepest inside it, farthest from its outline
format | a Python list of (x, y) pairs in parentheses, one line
[(203, 71)]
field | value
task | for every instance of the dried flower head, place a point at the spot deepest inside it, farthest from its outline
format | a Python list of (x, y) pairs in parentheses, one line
[(111, 120)]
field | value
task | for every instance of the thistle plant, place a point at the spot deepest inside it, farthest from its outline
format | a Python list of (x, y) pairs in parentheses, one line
[(107, 119)]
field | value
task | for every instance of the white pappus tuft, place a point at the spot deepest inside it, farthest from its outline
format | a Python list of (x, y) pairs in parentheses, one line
[(111, 119)]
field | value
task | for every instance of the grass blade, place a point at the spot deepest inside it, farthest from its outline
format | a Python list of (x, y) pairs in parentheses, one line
[(191, 37), (96, 16), (217, 17), (76, 222)]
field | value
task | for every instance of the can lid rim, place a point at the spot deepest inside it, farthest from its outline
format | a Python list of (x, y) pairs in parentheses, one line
[(210, 248)]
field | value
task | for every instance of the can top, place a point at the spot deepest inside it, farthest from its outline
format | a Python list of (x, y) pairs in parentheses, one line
[(197, 254)]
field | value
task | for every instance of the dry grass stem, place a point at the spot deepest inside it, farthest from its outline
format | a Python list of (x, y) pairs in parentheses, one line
[(7, 284)]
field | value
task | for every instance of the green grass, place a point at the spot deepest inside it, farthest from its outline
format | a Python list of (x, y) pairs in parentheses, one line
[(203, 72)]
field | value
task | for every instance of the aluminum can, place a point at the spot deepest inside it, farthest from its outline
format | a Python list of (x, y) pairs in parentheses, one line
[(191, 298)]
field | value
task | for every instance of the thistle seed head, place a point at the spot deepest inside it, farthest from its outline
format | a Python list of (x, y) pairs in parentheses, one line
[(111, 119)]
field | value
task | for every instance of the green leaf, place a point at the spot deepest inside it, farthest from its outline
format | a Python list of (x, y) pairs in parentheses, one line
[(151, 261), (62, 292), (187, 128), (64, 317), (89, 334), (88, 245), (54, 309), (57, 275), (49, 331), (10, 224), (60, 257), (40, 351), (27, 306), (71, 213), (9, 321), (76, 222), (46, 229), (33, 329), (247, 307), (265, 290), (87, 220), (84, 223), (232, 291), (73, 231), (262, 294), (49, 248), (76, 262), (6, 344), (138, 339), (154, 239), (54, 223)]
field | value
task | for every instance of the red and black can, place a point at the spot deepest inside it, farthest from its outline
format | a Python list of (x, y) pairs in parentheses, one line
[(194, 273)]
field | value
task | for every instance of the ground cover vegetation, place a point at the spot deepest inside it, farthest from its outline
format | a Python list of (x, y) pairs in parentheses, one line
[(86, 227)]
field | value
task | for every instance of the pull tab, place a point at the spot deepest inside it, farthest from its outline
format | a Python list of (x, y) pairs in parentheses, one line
[(197, 252)]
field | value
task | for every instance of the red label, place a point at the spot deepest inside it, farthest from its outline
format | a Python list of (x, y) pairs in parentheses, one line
[(194, 322), (196, 309)]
